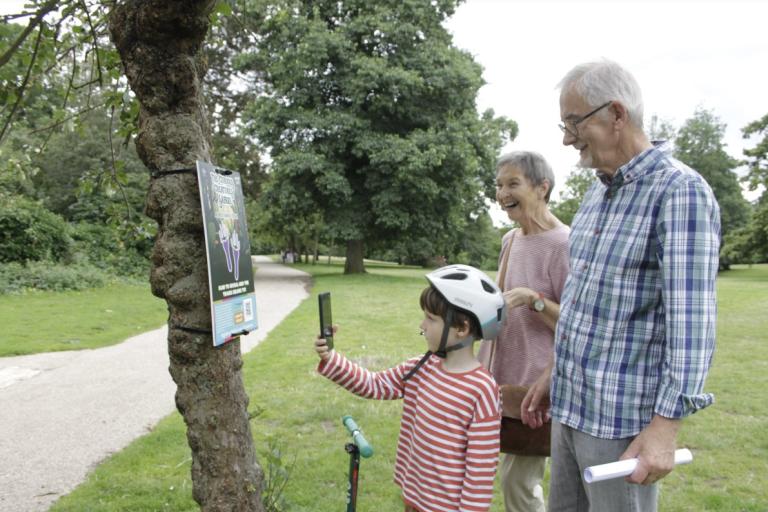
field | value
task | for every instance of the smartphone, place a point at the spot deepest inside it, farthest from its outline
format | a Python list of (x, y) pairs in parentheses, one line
[(326, 325)]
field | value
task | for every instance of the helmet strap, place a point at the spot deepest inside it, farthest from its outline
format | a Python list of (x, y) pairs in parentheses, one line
[(418, 365), (442, 351), (463, 343)]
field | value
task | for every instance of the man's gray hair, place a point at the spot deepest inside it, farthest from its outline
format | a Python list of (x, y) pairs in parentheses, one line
[(534, 167), (604, 81)]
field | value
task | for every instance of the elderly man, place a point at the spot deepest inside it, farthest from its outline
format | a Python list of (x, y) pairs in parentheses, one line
[(637, 321)]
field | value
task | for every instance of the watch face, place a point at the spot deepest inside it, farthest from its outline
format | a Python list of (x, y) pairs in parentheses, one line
[(538, 305)]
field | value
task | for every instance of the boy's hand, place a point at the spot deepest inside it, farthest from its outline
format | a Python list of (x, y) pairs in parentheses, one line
[(321, 347)]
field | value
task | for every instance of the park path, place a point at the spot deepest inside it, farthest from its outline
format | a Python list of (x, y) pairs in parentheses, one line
[(61, 413)]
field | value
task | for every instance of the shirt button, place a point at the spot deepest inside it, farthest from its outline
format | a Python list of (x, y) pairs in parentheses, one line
[(562, 337), (597, 231), (584, 267), (573, 301)]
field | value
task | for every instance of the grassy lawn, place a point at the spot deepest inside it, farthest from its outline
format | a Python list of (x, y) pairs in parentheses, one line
[(52, 321), (378, 315)]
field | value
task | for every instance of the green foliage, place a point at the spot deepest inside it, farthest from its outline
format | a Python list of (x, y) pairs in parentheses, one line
[(480, 245), (277, 473), (49, 276), (369, 112), (106, 248), (757, 157), (576, 186), (699, 144), (51, 67), (749, 244), (29, 232), (78, 179)]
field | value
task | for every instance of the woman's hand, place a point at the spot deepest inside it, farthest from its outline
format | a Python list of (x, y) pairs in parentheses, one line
[(520, 296)]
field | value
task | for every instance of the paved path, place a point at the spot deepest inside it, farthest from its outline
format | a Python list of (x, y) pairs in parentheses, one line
[(62, 413)]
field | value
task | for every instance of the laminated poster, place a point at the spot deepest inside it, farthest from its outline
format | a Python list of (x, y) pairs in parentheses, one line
[(230, 271)]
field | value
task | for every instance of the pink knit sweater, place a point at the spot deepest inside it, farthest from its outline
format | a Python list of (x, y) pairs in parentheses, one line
[(525, 343)]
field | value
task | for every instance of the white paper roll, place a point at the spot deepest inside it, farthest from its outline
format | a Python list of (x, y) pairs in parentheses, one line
[(627, 467)]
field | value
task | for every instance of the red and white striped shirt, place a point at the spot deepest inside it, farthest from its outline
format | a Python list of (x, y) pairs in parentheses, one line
[(449, 433)]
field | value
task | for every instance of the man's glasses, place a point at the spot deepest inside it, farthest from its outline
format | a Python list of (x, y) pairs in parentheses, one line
[(570, 127)]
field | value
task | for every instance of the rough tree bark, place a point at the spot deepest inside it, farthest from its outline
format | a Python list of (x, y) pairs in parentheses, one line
[(160, 43)]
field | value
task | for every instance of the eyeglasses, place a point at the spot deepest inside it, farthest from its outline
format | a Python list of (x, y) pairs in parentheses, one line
[(570, 127)]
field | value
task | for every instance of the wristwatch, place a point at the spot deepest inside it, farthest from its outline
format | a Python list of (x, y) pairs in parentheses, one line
[(538, 303)]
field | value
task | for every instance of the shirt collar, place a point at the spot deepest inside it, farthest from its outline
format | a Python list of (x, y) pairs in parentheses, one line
[(637, 166)]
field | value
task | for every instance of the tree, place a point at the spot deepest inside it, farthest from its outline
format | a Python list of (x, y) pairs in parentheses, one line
[(576, 185), (749, 244), (160, 45), (369, 113), (757, 157), (699, 144), (160, 50)]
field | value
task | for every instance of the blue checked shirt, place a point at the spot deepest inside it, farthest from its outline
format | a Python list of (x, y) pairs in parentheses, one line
[(637, 316)]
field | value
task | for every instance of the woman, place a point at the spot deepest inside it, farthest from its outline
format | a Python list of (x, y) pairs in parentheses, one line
[(533, 266)]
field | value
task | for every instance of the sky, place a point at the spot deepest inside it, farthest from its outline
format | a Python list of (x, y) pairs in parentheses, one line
[(684, 54)]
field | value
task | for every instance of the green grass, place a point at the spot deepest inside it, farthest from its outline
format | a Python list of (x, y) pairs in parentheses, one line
[(72, 320), (378, 316)]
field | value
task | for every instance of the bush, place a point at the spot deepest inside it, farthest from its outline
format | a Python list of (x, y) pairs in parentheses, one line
[(51, 276), (104, 248), (29, 232)]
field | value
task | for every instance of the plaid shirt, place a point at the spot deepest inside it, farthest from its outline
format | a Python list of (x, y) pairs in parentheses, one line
[(637, 319)]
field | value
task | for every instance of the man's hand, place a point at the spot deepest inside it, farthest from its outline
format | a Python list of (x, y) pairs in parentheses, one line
[(654, 447), (534, 409)]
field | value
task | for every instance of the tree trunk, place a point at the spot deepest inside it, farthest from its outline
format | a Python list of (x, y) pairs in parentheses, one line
[(160, 42), (354, 263)]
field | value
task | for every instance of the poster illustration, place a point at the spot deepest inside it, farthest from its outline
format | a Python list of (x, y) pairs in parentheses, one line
[(230, 271)]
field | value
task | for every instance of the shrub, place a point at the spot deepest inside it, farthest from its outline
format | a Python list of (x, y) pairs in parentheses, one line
[(51, 276), (29, 232), (104, 247)]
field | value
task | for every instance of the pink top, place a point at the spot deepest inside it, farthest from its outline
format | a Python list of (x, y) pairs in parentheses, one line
[(524, 346)]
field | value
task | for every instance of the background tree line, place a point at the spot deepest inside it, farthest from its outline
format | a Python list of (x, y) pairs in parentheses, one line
[(373, 146)]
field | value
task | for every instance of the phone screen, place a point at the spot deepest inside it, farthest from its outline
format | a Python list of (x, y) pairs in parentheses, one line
[(326, 323)]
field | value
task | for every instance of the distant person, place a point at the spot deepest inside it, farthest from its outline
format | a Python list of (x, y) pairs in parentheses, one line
[(449, 431), (533, 265), (636, 333)]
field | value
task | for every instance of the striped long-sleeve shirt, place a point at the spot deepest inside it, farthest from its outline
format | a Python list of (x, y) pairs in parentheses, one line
[(449, 433), (637, 318)]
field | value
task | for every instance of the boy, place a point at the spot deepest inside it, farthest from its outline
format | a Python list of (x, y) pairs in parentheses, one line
[(449, 431)]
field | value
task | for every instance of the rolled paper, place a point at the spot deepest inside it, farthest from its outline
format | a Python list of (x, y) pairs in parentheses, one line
[(627, 467)]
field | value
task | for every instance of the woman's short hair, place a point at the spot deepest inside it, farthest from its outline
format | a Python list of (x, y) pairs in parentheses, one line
[(534, 167), (603, 81)]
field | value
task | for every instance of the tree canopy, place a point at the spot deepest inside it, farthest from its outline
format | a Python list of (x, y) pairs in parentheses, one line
[(369, 114), (699, 143)]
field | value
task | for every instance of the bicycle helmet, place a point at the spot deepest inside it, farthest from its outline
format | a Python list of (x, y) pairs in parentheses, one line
[(470, 291), (473, 292)]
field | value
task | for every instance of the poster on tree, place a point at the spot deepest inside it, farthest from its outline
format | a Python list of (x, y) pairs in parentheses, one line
[(230, 271)]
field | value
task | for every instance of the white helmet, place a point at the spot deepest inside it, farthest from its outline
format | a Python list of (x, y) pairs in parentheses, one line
[(472, 291)]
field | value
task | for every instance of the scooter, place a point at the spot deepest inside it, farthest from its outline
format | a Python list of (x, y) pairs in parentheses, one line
[(359, 446)]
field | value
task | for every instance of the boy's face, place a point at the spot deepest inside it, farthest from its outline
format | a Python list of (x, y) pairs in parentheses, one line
[(432, 325)]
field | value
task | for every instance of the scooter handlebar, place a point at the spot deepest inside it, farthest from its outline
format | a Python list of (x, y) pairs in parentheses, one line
[(366, 450)]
